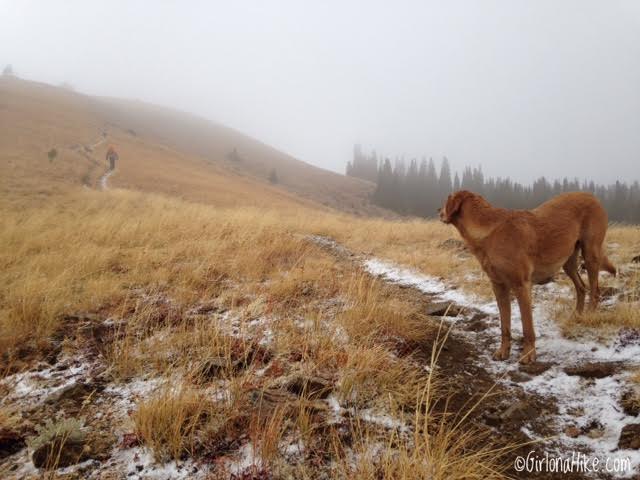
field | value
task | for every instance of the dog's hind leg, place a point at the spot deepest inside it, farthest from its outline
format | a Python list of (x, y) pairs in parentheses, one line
[(592, 253), (523, 294), (503, 297), (571, 269)]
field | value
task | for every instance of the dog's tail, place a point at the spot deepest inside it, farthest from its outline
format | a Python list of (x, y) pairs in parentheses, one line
[(607, 266)]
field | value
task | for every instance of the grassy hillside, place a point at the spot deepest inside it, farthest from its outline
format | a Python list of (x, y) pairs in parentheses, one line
[(161, 150)]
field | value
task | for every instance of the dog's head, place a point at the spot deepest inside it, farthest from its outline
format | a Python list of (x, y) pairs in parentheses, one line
[(453, 205)]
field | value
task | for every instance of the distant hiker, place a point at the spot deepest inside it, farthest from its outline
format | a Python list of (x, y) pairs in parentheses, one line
[(112, 156)]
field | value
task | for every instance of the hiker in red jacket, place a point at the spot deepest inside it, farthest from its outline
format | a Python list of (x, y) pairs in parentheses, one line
[(112, 156)]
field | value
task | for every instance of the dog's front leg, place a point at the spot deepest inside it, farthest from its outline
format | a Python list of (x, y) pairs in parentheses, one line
[(504, 306), (523, 294)]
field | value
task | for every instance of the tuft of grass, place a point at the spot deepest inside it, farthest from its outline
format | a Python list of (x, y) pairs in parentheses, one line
[(625, 312), (373, 316), (621, 315), (169, 421), (373, 374)]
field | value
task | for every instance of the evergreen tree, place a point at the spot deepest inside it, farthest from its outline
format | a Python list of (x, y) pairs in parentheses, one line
[(456, 183), (419, 190)]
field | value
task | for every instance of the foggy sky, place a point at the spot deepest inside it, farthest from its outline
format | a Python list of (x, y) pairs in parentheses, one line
[(525, 88)]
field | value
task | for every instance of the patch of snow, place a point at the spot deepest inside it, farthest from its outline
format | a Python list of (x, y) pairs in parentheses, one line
[(25, 467), (247, 458), (426, 284), (104, 180), (127, 394), (383, 420), (336, 409), (138, 463), (294, 449)]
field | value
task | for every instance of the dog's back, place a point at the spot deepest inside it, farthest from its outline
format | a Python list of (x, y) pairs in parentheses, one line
[(578, 215)]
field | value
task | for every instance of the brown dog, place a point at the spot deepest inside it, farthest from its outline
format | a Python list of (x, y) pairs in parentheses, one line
[(519, 248)]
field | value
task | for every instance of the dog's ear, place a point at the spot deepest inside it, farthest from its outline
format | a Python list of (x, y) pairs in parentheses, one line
[(454, 202)]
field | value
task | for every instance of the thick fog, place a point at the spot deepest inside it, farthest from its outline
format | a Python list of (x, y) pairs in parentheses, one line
[(524, 88)]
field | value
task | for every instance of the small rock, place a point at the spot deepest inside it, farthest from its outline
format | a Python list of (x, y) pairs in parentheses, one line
[(59, 452), (310, 386), (208, 307), (520, 410), (476, 324), (595, 433), (492, 419), (213, 368), (10, 442), (519, 377), (593, 429), (630, 437), (76, 393), (608, 292), (452, 243), (535, 368), (478, 315), (440, 309), (99, 446), (572, 431), (594, 370)]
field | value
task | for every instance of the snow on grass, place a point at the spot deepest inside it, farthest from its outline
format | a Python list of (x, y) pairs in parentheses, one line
[(127, 394), (594, 400), (137, 463), (425, 283), (34, 387), (369, 415), (383, 420), (294, 449), (104, 179)]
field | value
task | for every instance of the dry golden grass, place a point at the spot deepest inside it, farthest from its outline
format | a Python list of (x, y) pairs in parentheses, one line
[(147, 260), (624, 313), (377, 317), (168, 421), (91, 251)]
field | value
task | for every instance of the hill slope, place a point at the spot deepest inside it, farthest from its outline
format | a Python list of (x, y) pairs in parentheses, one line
[(161, 150)]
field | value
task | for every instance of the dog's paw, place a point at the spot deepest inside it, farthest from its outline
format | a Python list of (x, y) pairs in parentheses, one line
[(501, 354), (529, 355)]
